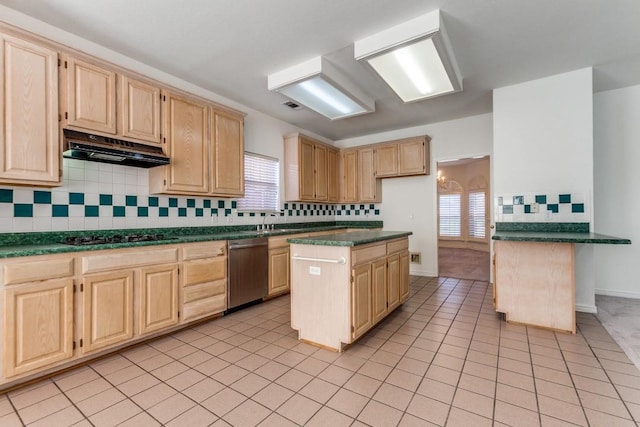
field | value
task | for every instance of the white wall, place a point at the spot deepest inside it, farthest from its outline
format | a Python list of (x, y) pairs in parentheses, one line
[(410, 203), (543, 142), (617, 176)]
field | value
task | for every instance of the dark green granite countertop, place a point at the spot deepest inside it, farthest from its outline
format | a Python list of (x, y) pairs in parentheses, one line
[(355, 238), (553, 233), (46, 243)]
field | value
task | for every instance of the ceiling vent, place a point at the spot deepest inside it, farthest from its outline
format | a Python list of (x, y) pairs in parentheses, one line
[(292, 105)]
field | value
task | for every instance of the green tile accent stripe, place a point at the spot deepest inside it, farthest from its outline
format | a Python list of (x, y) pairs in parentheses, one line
[(6, 196), (78, 205), (552, 207), (42, 197)]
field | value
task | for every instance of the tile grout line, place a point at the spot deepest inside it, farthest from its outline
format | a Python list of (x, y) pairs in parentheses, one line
[(467, 352)]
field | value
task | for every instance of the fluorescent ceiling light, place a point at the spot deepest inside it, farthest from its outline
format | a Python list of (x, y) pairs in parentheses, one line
[(320, 86), (413, 58)]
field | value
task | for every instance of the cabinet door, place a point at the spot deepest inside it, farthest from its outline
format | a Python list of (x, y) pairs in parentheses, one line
[(38, 325), (349, 184), (386, 159), (29, 139), (307, 181), (368, 185), (279, 274), (227, 155), (140, 110), (379, 287), (158, 298), (91, 96), (412, 157), (393, 281), (361, 314), (404, 276), (107, 310), (185, 123), (321, 182), (332, 175)]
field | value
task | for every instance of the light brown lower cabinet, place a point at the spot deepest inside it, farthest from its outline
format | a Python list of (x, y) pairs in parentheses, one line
[(204, 280), (379, 290), (279, 270), (38, 325), (107, 310), (404, 275), (158, 298), (60, 310)]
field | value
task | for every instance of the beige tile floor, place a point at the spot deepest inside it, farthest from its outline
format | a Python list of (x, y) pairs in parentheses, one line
[(444, 358)]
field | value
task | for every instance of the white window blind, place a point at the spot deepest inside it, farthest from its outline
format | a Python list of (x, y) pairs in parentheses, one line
[(261, 176), (477, 215), (450, 215)]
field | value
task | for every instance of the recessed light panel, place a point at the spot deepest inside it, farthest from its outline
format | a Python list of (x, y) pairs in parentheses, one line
[(317, 85), (413, 58)]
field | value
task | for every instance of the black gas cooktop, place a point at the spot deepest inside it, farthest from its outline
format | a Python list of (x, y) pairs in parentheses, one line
[(117, 238)]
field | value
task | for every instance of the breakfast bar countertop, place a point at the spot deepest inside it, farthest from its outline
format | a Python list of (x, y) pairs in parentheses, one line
[(553, 233)]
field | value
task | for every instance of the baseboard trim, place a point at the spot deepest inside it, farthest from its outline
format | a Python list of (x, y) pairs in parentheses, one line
[(422, 273), (623, 294), (584, 308)]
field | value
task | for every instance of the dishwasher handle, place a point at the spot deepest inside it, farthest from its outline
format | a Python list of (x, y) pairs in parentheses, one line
[(251, 244)]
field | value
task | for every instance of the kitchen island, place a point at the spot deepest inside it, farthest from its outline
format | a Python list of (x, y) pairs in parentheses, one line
[(534, 271), (344, 284)]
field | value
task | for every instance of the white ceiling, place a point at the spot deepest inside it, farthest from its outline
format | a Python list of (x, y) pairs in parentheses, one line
[(230, 46)]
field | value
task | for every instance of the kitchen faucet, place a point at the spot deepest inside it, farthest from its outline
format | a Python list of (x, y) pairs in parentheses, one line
[(264, 220)]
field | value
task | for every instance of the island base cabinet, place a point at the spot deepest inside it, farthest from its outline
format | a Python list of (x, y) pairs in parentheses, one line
[(38, 325), (535, 283), (339, 293), (361, 301)]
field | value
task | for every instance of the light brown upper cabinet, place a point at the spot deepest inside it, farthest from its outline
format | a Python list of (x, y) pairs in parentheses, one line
[(332, 175), (206, 147), (185, 142), (349, 174), (369, 188), (403, 157), (227, 154), (90, 97), (139, 113), (29, 138), (308, 165)]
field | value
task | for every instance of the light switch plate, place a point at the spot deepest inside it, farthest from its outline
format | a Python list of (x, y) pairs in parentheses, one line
[(314, 271)]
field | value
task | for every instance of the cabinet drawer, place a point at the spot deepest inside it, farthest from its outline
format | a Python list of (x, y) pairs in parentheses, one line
[(204, 307), (204, 270), (204, 290), (122, 259), (204, 250), (397, 246), (368, 253), (35, 271)]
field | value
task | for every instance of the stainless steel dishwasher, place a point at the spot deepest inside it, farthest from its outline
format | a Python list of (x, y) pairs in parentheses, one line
[(248, 261)]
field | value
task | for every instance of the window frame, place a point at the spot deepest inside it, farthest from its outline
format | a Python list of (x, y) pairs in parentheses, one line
[(440, 216), (275, 185)]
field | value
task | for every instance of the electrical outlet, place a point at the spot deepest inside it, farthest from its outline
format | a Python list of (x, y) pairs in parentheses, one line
[(535, 208), (314, 271)]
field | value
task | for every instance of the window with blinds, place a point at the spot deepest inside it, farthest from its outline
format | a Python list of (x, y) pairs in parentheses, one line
[(477, 218), (450, 215), (261, 175)]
